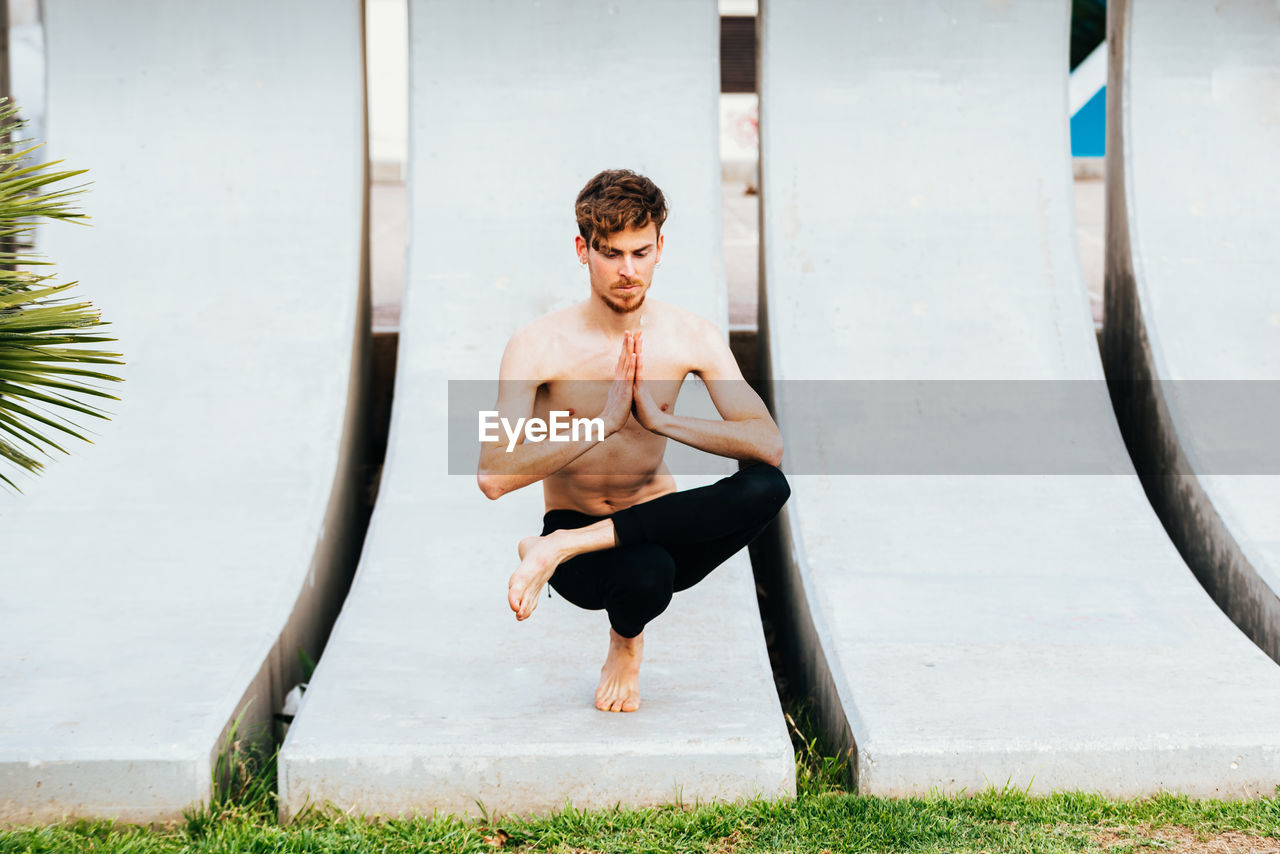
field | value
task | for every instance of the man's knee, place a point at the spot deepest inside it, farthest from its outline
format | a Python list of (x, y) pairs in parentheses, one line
[(764, 488), (642, 589), (647, 574)]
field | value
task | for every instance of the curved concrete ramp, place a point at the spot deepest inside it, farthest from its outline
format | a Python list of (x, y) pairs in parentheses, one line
[(157, 581), (430, 694), (1193, 299), (1032, 629)]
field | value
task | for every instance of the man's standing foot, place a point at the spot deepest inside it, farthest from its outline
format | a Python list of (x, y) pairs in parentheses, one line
[(619, 689)]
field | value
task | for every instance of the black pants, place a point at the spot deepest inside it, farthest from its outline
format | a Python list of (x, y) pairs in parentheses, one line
[(666, 545)]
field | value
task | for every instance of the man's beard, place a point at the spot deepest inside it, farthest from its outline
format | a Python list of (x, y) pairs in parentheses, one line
[(625, 309)]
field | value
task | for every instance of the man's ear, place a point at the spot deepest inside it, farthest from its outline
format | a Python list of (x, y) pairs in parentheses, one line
[(658, 257), (580, 246)]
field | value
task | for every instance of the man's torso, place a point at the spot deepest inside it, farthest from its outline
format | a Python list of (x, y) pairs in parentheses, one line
[(577, 371)]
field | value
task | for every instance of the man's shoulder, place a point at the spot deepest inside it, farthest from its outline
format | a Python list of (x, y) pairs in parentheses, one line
[(685, 320), (536, 331), (701, 343), (536, 344), (699, 333)]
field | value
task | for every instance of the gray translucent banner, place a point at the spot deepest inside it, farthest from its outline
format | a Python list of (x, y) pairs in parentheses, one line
[(877, 427)]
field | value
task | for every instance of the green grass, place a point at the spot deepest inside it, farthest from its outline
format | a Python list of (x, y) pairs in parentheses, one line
[(990, 821), (822, 818)]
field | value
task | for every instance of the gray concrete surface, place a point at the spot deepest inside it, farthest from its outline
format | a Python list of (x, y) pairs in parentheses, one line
[(741, 240), (26, 69), (162, 578), (1034, 630), (738, 161), (742, 245), (430, 694), (1091, 210), (1191, 279), (388, 241)]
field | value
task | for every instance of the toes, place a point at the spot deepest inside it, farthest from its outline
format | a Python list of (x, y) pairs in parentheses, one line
[(607, 697), (525, 600)]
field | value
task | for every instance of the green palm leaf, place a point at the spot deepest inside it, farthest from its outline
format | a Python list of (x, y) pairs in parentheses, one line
[(41, 337)]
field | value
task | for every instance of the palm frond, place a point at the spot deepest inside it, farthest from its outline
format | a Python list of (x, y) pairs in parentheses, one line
[(42, 334)]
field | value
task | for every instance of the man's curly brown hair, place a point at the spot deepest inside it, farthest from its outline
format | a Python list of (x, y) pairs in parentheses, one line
[(617, 199)]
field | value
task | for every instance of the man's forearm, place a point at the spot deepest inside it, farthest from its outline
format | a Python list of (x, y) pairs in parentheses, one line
[(502, 471), (749, 439)]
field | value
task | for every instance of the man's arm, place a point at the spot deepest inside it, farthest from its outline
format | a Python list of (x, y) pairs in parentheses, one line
[(502, 471), (747, 431)]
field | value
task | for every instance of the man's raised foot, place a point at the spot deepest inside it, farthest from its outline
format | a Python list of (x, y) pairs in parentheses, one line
[(539, 557)]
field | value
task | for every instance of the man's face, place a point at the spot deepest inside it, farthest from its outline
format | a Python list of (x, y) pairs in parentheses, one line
[(622, 268)]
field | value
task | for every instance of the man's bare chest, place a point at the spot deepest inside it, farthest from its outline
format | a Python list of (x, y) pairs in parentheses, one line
[(581, 383)]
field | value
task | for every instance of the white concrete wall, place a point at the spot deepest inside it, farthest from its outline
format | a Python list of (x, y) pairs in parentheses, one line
[(163, 577), (431, 695), (1036, 630), (1193, 301)]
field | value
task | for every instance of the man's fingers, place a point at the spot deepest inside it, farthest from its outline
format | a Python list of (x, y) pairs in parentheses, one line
[(639, 357), (623, 355), (628, 350)]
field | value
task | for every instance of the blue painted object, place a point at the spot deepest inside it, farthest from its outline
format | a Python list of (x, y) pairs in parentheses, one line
[(1089, 127)]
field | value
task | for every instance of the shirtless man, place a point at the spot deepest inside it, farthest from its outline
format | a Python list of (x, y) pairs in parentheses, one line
[(617, 534)]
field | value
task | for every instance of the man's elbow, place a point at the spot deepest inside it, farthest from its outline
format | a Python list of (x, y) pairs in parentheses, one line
[(775, 457), (772, 452), (490, 484)]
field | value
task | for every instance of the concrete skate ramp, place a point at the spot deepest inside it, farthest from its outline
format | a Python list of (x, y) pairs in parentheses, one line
[(157, 581), (1024, 628), (430, 694), (1193, 301)]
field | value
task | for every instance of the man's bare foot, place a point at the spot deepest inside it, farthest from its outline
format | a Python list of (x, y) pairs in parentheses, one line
[(539, 557), (619, 689)]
